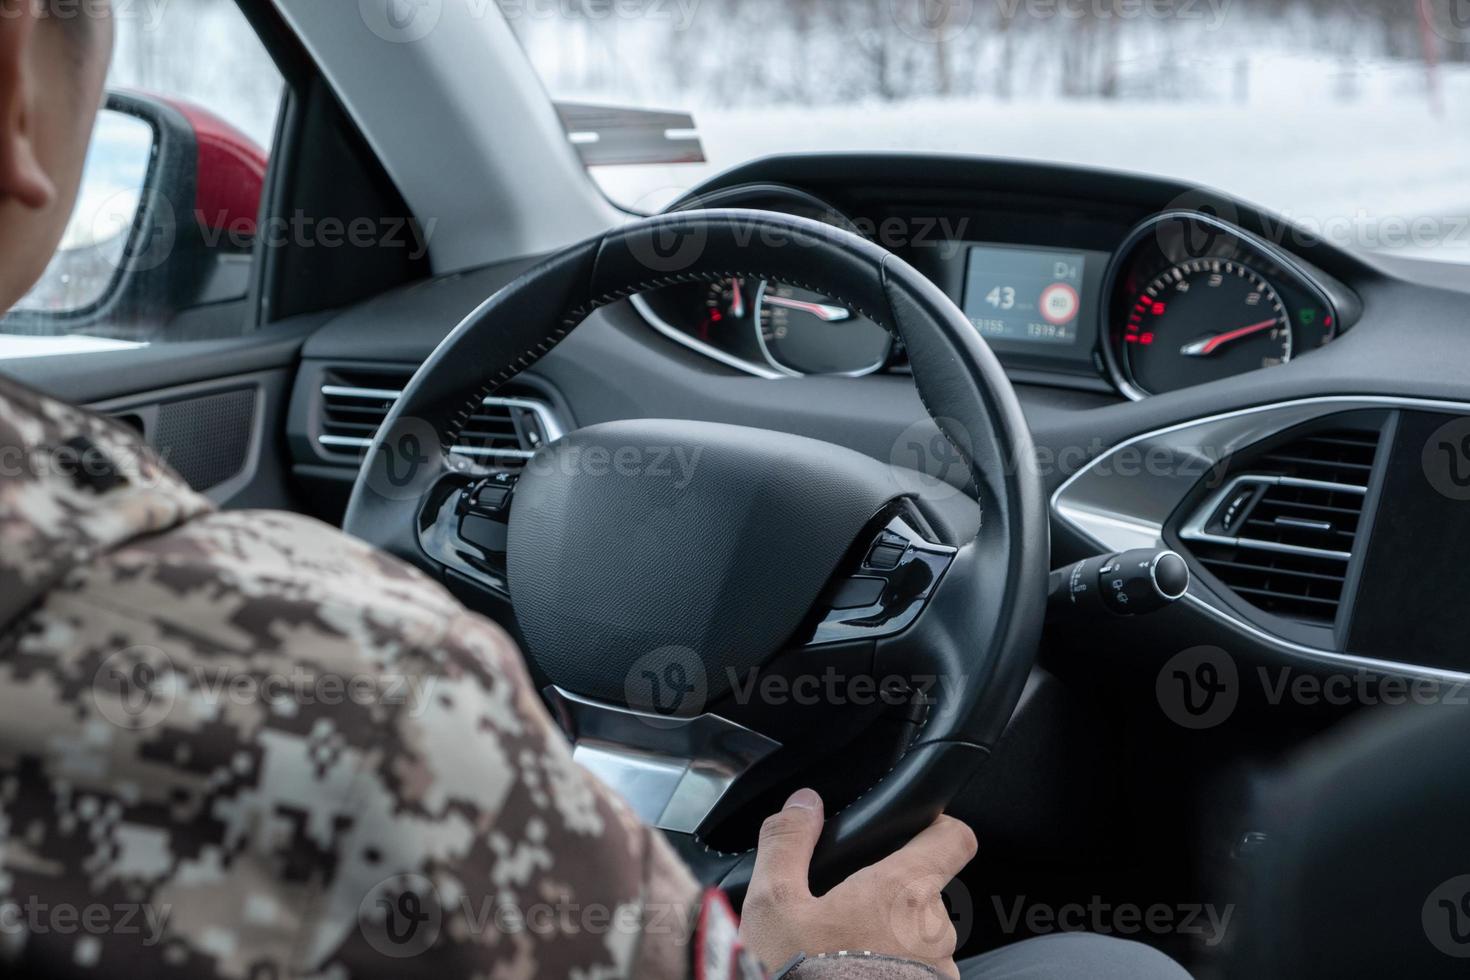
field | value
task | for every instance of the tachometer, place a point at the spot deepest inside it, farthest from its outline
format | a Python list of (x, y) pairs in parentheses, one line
[(727, 306), (1193, 298), (767, 328), (1203, 320)]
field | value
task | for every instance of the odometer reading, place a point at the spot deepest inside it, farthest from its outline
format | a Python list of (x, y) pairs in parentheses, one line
[(1202, 320), (1032, 296)]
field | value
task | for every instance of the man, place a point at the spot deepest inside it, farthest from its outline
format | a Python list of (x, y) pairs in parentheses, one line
[(168, 806)]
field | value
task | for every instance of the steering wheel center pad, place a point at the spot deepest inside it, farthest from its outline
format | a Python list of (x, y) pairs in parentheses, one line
[(630, 537)]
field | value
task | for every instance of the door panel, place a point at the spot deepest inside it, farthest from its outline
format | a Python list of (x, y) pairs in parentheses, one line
[(215, 410)]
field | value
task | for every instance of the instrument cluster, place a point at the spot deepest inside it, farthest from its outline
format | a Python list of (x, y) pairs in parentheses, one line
[(1185, 299)]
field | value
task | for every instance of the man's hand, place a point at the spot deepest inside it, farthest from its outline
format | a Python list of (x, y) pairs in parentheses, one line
[(891, 908)]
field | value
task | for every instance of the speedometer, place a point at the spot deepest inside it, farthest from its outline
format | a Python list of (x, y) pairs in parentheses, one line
[(802, 332), (1203, 320)]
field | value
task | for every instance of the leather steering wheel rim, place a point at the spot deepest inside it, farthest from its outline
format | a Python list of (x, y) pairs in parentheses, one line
[(984, 624)]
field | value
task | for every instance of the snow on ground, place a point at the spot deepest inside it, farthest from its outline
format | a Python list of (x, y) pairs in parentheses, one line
[(1386, 173)]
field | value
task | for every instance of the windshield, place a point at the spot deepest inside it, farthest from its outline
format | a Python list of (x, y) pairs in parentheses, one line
[(1349, 117)]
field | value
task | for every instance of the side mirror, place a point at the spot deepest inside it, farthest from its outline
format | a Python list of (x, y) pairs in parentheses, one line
[(164, 224)]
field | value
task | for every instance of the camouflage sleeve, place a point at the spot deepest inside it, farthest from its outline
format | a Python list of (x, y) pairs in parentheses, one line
[(278, 753)]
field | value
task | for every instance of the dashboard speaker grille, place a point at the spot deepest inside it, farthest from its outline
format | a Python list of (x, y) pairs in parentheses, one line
[(207, 439), (1281, 534)]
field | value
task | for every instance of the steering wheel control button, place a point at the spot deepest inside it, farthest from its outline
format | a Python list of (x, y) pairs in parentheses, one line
[(1132, 583), (466, 527), (484, 533), (897, 577), (491, 496), (885, 556), (858, 593)]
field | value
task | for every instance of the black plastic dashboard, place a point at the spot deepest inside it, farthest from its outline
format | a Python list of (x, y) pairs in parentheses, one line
[(1399, 342)]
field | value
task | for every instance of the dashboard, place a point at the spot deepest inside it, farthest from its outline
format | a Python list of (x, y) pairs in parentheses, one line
[(1179, 298), (1195, 371)]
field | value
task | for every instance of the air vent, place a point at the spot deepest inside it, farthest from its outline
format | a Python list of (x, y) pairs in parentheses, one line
[(505, 431), (354, 404), (1343, 456), (1281, 536)]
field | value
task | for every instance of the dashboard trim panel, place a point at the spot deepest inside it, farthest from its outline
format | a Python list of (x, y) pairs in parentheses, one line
[(1087, 504)]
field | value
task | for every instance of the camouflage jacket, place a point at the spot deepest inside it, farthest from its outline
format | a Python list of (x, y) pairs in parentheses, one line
[(243, 745)]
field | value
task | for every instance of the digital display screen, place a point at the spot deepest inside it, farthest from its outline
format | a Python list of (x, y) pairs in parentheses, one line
[(1026, 295)]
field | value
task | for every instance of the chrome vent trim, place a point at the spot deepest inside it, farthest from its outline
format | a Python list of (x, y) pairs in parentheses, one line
[(1196, 528), (546, 420), (375, 394)]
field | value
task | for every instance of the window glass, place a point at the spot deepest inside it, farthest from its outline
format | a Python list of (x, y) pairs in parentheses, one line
[(159, 246), (1350, 117)]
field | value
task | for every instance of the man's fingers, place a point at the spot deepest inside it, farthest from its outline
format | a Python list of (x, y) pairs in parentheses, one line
[(941, 849), (784, 857)]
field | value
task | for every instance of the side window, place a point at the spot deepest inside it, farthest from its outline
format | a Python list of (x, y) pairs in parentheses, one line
[(159, 247)]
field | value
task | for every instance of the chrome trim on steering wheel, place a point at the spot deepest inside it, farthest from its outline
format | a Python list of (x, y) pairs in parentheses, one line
[(671, 771)]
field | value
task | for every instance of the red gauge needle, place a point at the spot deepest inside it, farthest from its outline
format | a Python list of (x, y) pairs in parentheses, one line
[(1208, 346), (822, 311), (737, 302)]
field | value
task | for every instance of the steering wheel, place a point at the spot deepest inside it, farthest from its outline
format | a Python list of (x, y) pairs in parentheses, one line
[(657, 569)]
